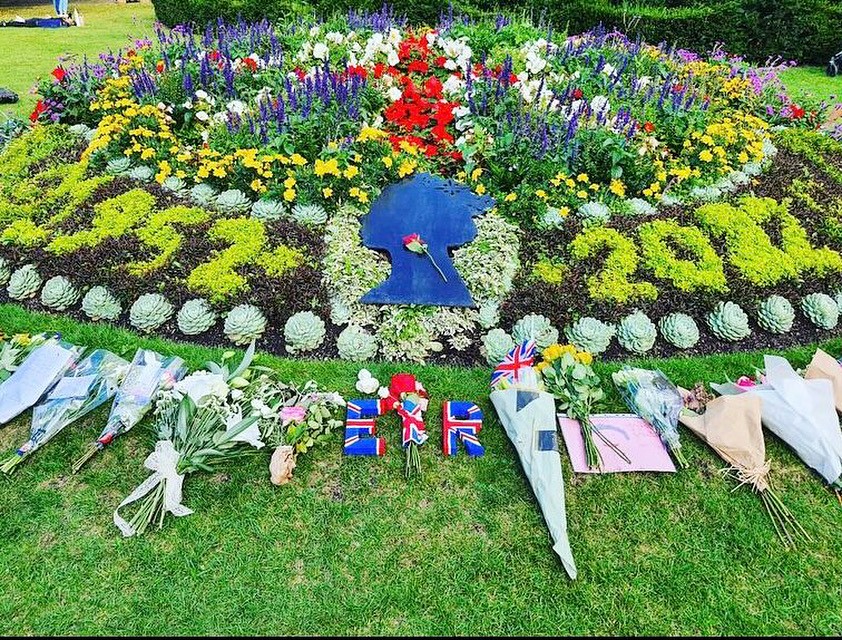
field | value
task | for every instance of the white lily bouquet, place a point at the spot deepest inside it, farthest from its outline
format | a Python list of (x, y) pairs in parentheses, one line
[(200, 426), (149, 373), (38, 372), (87, 385)]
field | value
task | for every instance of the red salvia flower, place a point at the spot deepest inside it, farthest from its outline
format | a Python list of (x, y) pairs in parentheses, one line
[(58, 73)]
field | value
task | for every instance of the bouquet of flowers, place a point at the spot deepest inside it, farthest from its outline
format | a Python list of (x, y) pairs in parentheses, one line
[(568, 375), (14, 350), (291, 419), (652, 396), (87, 385), (39, 371), (148, 373), (731, 426), (199, 425)]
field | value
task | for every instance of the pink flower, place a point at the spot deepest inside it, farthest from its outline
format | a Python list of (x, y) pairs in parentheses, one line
[(294, 413), (745, 382)]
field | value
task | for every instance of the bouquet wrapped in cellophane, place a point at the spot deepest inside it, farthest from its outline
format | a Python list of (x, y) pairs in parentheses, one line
[(200, 426), (149, 372), (652, 396), (36, 374), (86, 385), (15, 349)]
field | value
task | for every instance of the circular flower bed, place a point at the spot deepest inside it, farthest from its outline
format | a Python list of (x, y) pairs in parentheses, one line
[(636, 187)]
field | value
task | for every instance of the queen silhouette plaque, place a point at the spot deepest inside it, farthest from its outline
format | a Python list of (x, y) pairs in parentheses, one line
[(417, 221)]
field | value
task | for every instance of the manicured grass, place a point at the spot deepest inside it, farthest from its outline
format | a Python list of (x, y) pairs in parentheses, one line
[(351, 547), (29, 54), (813, 82)]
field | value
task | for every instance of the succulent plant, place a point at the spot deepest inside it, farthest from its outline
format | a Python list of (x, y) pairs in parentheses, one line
[(24, 283), (769, 149), (590, 334), (680, 330), (340, 313), (753, 169), (355, 343), (5, 271), (821, 309), (203, 194), (495, 345), (118, 166), (636, 332), (244, 323), (552, 217), (150, 311), (669, 199), (233, 201), (775, 314), (304, 331), (309, 214), (174, 184), (195, 316), (729, 322), (725, 185), (706, 194), (739, 178), (594, 213), (142, 173), (267, 210), (488, 315), (59, 293), (99, 304), (80, 130), (640, 207), (535, 327)]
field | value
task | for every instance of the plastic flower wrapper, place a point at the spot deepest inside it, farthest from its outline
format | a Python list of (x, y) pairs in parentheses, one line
[(824, 366), (14, 350), (528, 415), (800, 412), (148, 374), (200, 427), (567, 374), (731, 426), (38, 372), (651, 395), (87, 385)]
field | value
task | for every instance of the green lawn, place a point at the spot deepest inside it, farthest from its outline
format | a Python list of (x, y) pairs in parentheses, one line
[(28, 54), (351, 547), (812, 82)]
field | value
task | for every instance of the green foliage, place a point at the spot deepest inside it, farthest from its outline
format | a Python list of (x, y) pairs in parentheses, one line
[(680, 330), (304, 331), (549, 271), (489, 264), (729, 322), (195, 316), (24, 233), (356, 344), (5, 271), (612, 283), (657, 239), (160, 233), (112, 219), (280, 260), (816, 147)]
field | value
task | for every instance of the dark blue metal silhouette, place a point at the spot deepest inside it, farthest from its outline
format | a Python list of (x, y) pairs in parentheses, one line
[(442, 213)]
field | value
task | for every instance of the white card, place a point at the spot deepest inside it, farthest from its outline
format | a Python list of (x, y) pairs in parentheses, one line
[(72, 387)]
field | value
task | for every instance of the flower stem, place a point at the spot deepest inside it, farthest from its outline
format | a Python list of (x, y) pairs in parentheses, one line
[(441, 273)]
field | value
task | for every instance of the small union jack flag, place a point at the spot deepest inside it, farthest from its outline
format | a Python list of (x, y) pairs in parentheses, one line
[(523, 355), (461, 422)]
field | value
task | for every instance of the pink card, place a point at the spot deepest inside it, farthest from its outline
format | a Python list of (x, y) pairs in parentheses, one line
[(631, 434)]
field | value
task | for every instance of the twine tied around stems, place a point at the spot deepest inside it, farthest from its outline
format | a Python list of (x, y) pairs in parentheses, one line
[(757, 477), (163, 462)]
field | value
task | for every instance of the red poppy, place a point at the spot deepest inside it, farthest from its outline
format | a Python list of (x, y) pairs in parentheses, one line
[(577, 94), (58, 73), (159, 67), (648, 127), (796, 112), (678, 88), (40, 108), (251, 63)]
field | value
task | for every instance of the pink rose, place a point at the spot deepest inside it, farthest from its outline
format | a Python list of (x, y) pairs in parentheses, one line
[(745, 382), (293, 414)]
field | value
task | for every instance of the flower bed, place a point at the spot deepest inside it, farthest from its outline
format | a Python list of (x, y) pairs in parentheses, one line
[(641, 192)]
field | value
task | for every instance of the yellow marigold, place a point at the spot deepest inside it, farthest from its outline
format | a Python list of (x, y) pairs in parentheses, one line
[(322, 168), (510, 197), (617, 188), (583, 177), (350, 171), (298, 160), (581, 193), (406, 168), (370, 133), (475, 174), (289, 195), (257, 185), (327, 192), (541, 194), (387, 161), (289, 183), (480, 189), (571, 183), (705, 155)]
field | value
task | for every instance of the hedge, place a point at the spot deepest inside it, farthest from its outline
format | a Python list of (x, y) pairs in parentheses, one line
[(809, 31)]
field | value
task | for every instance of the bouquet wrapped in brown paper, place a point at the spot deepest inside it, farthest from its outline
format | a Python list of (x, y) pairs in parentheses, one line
[(824, 366), (731, 426)]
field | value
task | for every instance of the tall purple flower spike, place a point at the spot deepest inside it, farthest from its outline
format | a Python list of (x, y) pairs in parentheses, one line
[(442, 212)]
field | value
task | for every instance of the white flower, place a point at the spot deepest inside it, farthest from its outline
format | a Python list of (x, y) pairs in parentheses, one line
[(600, 104), (202, 116), (202, 387), (450, 65), (220, 117), (383, 392), (395, 37), (608, 69), (535, 64), (237, 106), (320, 51), (314, 30), (394, 94), (366, 383), (188, 104), (452, 85), (643, 81), (236, 394), (392, 58), (335, 37), (201, 95)]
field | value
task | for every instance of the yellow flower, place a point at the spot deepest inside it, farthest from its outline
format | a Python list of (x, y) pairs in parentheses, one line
[(594, 187), (571, 183), (362, 197), (582, 177), (706, 155), (617, 188), (510, 197), (387, 160), (354, 192), (327, 192), (289, 195), (541, 366), (480, 189), (370, 133), (475, 174), (581, 193), (541, 194), (350, 171), (743, 157), (257, 185), (584, 357), (147, 153), (23, 339), (564, 211), (289, 183), (323, 168), (407, 167), (298, 159)]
